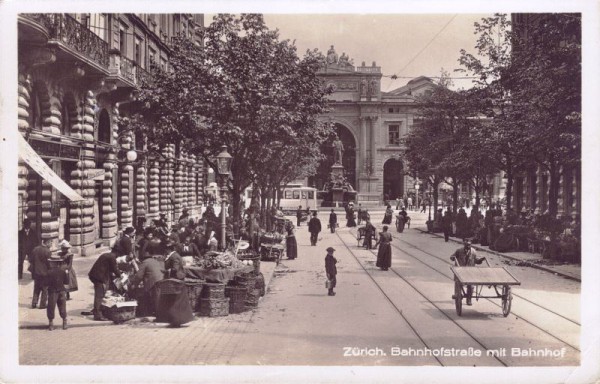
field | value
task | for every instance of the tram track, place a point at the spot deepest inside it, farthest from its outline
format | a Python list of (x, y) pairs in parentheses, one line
[(452, 278), (513, 293), (412, 327)]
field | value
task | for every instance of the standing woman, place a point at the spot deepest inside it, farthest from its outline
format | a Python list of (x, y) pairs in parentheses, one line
[(291, 245), (67, 264), (387, 218), (384, 254)]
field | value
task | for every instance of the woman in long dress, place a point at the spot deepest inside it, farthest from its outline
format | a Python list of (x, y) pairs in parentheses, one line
[(387, 218), (384, 254), (351, 222), (290, 242), (174, 308)]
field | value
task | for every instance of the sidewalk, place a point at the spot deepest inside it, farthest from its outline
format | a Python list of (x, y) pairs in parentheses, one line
[(95, 342), (534, 260)]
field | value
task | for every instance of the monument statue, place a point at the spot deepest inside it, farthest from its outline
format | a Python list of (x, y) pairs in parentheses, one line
[(332, 57), (344, 60), (338, 151), (363, 87)]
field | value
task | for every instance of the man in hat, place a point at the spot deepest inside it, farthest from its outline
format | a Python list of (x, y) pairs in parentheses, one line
[(331, 270), (332, 221), (28, 240), (124, 246), (314, 227), (38, 266), (184, 218), (103, 271), (151, 271), (56, 278), (467, 257)]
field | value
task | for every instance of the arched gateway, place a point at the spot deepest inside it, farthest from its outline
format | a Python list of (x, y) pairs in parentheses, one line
[(393, 179)]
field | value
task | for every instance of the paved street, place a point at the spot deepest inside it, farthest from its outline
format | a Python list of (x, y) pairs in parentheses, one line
[(376, 318)]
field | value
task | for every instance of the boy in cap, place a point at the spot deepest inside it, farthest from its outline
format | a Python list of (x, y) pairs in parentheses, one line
[(331, 270), (57, 292)]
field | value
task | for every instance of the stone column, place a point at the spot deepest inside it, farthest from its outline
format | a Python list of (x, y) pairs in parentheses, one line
[(23, 124), (140, 191), (109, 215), (81, 219), (154, 191), (165, 195), (179, 189), (363, 145)]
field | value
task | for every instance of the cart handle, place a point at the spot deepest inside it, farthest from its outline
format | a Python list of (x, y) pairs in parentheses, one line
[(453, 258)]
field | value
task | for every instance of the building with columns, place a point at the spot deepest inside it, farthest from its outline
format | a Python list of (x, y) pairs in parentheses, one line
[(371, 124), (77, 73)]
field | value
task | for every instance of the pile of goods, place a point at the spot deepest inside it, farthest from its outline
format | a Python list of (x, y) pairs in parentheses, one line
[(118, 308), (271, 238), (216, 260), (249, 257), (213, 301)]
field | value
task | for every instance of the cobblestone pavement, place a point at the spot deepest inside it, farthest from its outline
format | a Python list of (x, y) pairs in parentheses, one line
[(88, 342)]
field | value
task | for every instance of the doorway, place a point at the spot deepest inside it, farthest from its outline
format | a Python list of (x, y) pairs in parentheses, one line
[(393, 179)]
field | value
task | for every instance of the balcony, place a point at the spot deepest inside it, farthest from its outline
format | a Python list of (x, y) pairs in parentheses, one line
[(74, 36), (35, 27), (128, 69)]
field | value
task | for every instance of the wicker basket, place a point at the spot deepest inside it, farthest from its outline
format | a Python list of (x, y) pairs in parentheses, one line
[(252, 297), (119, 314), (245, 280), (213, 291), (255, 261), (170, 286), (214, 307), (194, 293), (236, 293), (237, 306)]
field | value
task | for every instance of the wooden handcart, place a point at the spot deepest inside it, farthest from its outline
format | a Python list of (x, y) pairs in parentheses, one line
[(478, 277)]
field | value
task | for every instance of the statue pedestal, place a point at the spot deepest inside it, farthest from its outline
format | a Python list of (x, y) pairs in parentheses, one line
[(337, 196), (337, 169)]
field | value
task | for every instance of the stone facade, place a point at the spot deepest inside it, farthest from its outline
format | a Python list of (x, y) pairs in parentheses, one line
[(376, 120), (76, 76)]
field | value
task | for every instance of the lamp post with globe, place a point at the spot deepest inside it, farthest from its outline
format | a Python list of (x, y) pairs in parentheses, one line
[(224, 169)]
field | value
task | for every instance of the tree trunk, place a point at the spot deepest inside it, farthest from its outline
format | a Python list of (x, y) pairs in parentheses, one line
[(455, 196), (509, 186), (435, 186), (477, 198), (553, 190)]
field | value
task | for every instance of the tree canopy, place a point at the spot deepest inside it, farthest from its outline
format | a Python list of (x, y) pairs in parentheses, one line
[(241, 87)]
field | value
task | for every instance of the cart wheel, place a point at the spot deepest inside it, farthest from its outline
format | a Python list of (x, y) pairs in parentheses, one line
[(506, 300), (458, 297)]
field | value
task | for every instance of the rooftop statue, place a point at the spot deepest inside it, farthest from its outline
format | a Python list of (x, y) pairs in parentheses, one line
[(332, 57)]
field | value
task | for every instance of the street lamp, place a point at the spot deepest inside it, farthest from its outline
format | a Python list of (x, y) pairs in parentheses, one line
[(223, 168)]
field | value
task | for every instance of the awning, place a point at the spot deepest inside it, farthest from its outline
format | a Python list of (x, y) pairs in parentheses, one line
[(28, 155)]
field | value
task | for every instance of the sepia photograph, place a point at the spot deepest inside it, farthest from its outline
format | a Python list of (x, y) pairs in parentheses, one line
[(304, 195)]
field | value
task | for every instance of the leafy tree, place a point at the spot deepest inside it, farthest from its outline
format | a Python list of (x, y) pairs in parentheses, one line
[(242, 88), (544, 80)]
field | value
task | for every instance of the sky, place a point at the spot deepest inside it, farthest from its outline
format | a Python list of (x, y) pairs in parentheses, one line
[(407, 45)]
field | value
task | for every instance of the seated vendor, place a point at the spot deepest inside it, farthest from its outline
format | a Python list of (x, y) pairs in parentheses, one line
[(186, 248)]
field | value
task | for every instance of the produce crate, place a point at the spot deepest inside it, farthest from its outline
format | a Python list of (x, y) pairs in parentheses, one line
[(237, 298), (214, 307), (194, 288), (213, 291), (120, 312)]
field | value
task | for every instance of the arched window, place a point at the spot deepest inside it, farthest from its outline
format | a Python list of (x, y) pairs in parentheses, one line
[(104, 127)]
